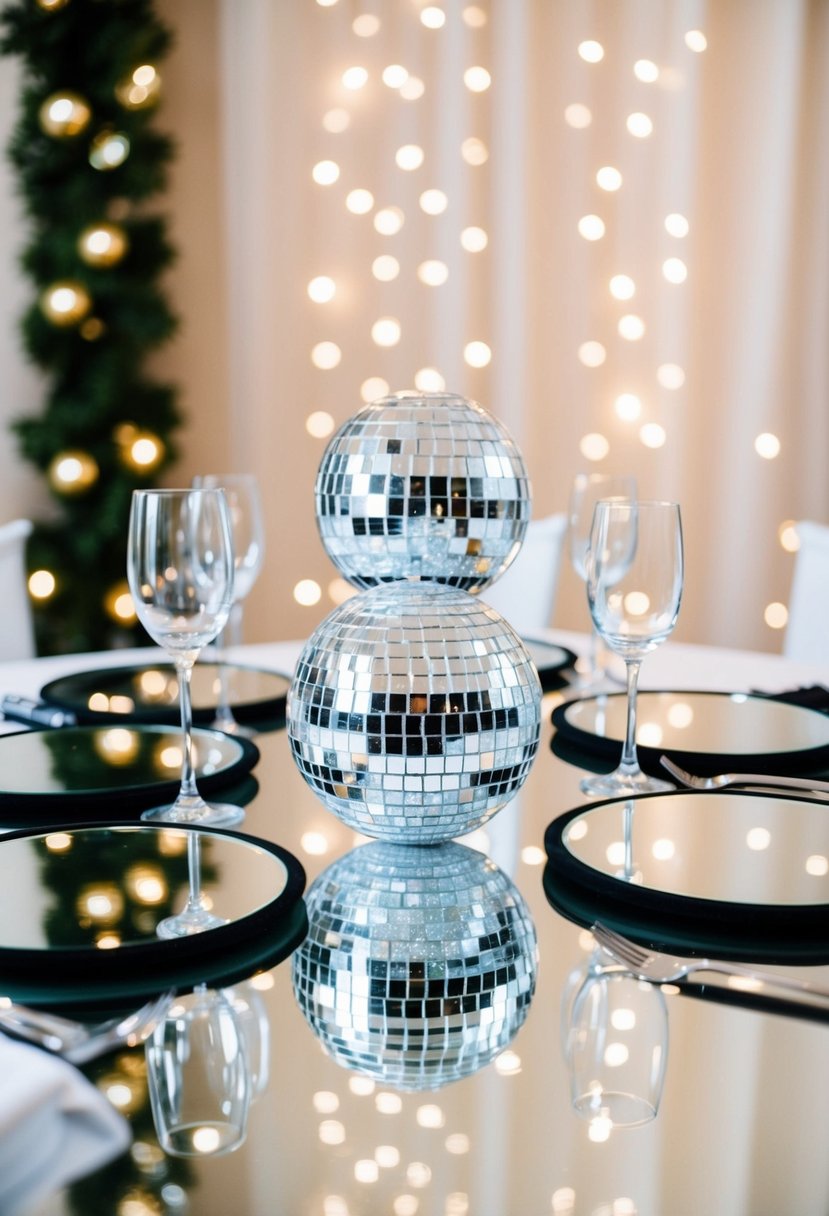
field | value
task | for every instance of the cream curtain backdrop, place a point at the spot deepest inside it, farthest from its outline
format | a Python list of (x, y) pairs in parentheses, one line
[(738, 147)]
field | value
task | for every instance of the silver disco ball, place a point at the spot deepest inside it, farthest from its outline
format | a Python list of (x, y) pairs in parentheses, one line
[(419, 965), (414, 712), (422, 486)]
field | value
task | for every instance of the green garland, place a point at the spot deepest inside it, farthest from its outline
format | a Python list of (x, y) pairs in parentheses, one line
[(88, 159)]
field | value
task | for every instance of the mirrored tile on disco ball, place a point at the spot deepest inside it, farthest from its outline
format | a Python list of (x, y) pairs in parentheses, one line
[(419, 966), (414, 712), (422, 485)]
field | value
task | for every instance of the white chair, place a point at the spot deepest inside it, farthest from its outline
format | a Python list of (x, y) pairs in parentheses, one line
[(807, 630), (525, 594), (17, 637)]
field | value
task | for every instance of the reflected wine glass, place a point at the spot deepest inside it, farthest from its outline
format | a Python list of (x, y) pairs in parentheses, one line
[(180, 571), (198, 1077), (634, 588), (195, 916), (254, 1025), (587, 490), (248, 529), (616, 1051)]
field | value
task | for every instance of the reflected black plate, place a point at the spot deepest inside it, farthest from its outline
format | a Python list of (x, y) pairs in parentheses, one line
[(82, 772), (149, 693), (550, 661), (733, 874), (114, 883), (705, 732)]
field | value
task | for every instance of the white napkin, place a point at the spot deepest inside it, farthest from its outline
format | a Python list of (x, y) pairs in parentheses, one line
[(55, 1126)]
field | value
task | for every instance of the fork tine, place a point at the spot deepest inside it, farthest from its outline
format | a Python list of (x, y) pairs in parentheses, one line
[(620, 947)]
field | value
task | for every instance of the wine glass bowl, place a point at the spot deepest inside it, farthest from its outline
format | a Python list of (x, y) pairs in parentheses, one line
[(635, 571), (248, 531), (180, 572), (586, 491)]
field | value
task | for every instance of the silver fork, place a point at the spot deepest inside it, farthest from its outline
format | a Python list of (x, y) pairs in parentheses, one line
[(76, 1041), (723, 779), (662, 968)]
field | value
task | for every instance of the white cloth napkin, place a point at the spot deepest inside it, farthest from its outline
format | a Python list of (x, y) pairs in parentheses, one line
[(55, 1126)]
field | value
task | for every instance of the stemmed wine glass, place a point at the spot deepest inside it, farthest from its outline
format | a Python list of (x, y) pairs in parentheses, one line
[(180, 571), (198, 1076), (195, 916), (247, 525), (587, 490), (634, 589)]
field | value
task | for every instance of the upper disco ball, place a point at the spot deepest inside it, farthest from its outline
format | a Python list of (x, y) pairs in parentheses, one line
[(419, 966), (422, 486), (414, 712)]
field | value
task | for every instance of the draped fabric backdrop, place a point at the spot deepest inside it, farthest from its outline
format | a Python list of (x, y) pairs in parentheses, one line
[(737, 150), (729, 138)]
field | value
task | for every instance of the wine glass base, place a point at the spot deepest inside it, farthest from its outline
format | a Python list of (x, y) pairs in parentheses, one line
[(619, 785), (229, 726), (203, 814), (187, 923)]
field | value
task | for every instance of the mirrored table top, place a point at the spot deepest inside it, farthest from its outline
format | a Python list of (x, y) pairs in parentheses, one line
[(337, 1133)]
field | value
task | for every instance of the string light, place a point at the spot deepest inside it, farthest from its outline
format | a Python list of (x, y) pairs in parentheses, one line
[(594, 446), (631, 327), (646, 71), (386, 331), (696, 41), (474, 16), (477, 354), (64, 115), (670, 375), (326, 355), (385, 268), (389, 220), (412, 89), (767, 445), (366, 25), (474, 151), (592, 354), (374, 388), (429, 380), (325, 172), (676, 224), (433, 202), (433, 273), (108, 150), (354, 78), (474, 239), (359, 202), (319, 424), (477, 79), (674, 270), (776, 616), (653, 435), (42, 584), (432, 17), (395, 75), (409, 157), (639, 125), (608, 178), (322, 289), (788, 537), (307, 592), (591, 51), (336, 120), (577, 115), (628, 407), (622, 287), (591, 227), (139, 89)]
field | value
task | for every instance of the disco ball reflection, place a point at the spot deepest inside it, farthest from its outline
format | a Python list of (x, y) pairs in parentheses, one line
[(422, 485), (414, 712), (419, 966)]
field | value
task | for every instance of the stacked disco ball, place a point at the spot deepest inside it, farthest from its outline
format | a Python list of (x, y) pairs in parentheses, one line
[(414, 711), (419, 965)]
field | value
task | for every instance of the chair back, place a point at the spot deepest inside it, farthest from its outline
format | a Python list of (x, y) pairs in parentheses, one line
[(807, 630), (17, 638), (525, 594)]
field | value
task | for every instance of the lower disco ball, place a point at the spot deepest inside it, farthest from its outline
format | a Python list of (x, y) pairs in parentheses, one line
[(420, 964), (414, 712)]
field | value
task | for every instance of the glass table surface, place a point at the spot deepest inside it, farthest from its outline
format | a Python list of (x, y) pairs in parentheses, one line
[(471, 1115)]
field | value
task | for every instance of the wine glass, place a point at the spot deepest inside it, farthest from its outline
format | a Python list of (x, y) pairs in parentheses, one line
[(198, 1076), (634, 589), (616, 1050), (195, 916), (247, 524), (587, 490), (180, 571)]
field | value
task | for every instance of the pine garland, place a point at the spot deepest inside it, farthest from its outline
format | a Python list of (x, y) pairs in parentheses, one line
[(88, 159)]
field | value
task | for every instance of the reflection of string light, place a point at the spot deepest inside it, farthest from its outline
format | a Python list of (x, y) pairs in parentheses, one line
[(430, 1115), (325, 1102), (388, 1103), (58, 842)]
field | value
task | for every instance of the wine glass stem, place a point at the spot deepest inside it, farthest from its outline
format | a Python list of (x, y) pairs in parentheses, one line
[(629, 762), (184, 670), (194, 869)]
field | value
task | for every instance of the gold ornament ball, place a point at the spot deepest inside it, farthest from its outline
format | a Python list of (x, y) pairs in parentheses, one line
[(73, 472), (141, 451), (108, 150), (64, 115), (140, 88), (102, 244), (65, 303), (92, 329)]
